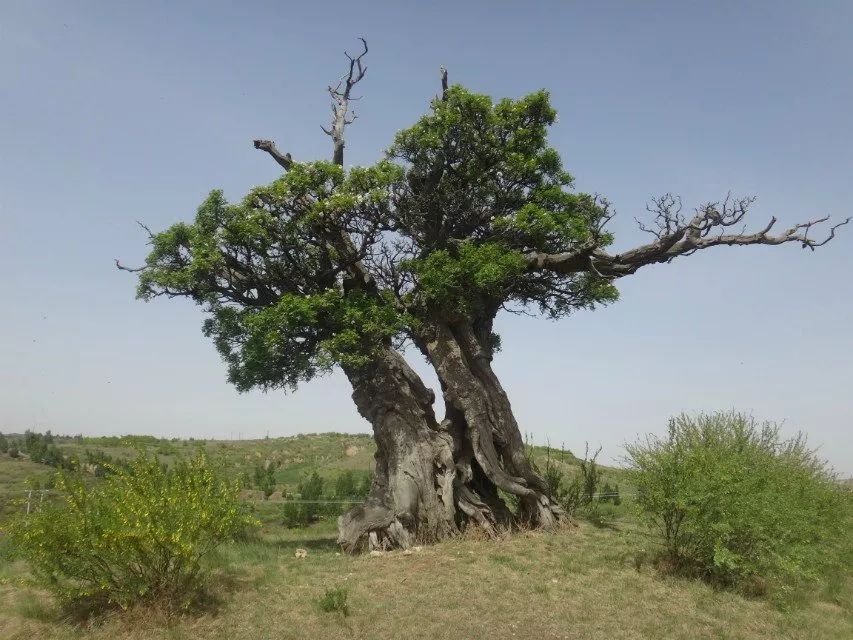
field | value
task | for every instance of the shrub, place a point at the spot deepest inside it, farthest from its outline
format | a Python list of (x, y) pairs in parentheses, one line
[(303, 513), (736, 503), (311, 490), (4, 444), (365, 485), (13, 451), (345, 485), (578, 495), (294, 515), (335, 600), (265, 478), (610, 494), (244, 480), (140, 536)]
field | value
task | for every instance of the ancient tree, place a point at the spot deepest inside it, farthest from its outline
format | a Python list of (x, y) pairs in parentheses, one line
[(469, 213)]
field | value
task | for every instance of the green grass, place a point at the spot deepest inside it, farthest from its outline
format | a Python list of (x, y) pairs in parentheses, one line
[(15, 477)]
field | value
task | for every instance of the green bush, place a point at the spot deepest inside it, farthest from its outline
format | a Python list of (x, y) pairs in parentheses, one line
[(310, 507), (335, 600), (140, 536), (609, 494), (345, 486), (311, 490), (365, 485), (264, 478), (578, 495), (736, 503), (294, 515)]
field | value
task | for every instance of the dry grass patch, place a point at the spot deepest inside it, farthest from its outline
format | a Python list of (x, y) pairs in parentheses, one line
[(580, 583)]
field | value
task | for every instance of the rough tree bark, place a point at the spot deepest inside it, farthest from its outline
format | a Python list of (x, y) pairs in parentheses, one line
[(434, 479), (412, 497), (461, 355)]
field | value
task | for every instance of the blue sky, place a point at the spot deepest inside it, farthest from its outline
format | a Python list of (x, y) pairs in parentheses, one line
[(116, 112)]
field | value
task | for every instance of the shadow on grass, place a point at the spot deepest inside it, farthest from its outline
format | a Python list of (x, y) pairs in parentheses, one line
[(90, 612), (603, 523), (319, 543)]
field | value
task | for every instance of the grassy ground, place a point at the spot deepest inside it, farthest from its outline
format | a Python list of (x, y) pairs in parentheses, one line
[(583, 582), (15, 477)]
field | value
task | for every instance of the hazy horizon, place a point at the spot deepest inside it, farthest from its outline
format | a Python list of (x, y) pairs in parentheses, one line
[(111, 114)]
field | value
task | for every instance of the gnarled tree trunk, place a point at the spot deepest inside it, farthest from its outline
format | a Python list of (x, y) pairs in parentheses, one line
[(412, 497), (433, 479), (461, 356), (430, 481)]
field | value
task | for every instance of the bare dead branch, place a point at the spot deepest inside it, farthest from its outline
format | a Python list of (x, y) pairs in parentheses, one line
[(340, 99), (443, 72), (146, 229), (120, 266), (285, 160), (676, 236)]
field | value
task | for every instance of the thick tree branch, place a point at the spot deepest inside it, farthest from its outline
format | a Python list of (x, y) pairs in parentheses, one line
[(676, 236), (285, 160)]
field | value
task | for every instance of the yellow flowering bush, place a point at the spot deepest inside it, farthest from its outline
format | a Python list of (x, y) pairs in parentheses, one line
[(139, 536)]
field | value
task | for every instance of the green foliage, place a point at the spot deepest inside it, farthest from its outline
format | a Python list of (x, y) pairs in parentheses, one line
[(269, 274), (103, 463), (481, 174), (345, 485), (312, 487), (578, 493), (128, 440), (334, 600), (4, 444), (307, 510), (294, 515), (365, 485), (578, 496), (244, 480), (13, 451), (139, 536), (443, 227), (610, 494), (264, 478), (41, 449), (468, 277), (735, 502)]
